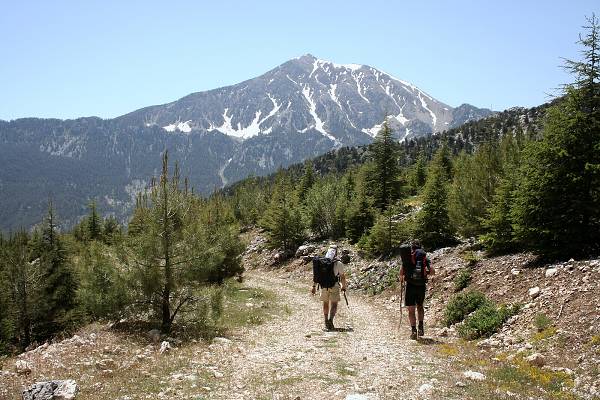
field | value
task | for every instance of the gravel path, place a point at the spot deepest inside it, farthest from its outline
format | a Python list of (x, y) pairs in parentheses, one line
[(292, 357)]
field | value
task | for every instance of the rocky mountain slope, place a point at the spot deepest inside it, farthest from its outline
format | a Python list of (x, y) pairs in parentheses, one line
[(298, 110)]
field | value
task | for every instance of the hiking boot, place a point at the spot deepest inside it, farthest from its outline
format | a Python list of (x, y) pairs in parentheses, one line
[(421, 330), (330, 325), (413, 335)]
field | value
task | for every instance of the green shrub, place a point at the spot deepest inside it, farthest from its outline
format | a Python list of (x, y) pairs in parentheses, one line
[(542, 322), (462, 305), (486, 320), (387, 235), (470, 258), (462, 280), (103, 291)]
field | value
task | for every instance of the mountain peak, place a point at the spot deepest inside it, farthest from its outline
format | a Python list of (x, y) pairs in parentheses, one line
[(342, 104), (315, 62), (306, 56)]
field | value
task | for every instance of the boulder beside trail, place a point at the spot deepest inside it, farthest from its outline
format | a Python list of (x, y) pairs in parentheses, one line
[(23, 367), (51, 390), (305, 250)]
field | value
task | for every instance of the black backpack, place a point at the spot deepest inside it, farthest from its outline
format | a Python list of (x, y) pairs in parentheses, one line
[(416, 273), (323, 272)]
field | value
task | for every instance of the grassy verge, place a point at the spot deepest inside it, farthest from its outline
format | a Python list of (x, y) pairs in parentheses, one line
[(244, 306), (138, 370), (505, 379)]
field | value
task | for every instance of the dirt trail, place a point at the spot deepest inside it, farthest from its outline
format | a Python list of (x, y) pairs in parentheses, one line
[(292, 357)]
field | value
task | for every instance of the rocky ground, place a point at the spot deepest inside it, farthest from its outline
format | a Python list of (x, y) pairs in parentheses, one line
[(281, 352), (525, 359)]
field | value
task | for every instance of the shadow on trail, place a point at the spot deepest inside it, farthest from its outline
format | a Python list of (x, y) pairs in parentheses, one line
[(427, 341), (346, 329)]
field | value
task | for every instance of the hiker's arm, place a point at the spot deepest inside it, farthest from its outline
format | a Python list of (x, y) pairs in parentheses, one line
[(344, 282), (401, 277), (431, 269)]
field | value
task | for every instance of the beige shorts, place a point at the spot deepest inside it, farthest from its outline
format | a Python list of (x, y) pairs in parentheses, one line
[(331, 294)]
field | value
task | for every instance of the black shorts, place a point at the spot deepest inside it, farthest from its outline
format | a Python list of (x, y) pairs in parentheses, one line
[(414, 295)]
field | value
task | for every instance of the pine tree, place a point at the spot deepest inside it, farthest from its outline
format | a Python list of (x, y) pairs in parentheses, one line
[(473, 186), (307, 181), (58, 285), (321, 206), (360, 215), (282, 219), (94, 223), (19, 280), (359, 218), (111, 230), (433, 223), (386, 171), (497, 223), (102, 292), (557, 203), (499, 236), (387, 234), (418, 173)]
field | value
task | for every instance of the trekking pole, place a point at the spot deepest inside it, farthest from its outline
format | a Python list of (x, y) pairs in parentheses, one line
[(350, 313), (401, 295)]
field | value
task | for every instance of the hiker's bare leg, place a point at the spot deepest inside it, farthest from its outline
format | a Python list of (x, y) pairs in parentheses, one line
[(333, 309), (326, 309), (421, 312), (411, 316)]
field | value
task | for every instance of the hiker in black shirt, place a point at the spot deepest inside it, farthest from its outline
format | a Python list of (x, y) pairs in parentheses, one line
[(416, 279)]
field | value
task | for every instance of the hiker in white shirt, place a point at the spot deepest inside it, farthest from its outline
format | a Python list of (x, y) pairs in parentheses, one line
[(328, 276)]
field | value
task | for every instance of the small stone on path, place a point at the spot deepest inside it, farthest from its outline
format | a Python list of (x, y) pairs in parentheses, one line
[(474, 376), (164, 347), (425, 389), (536, 359), (357, 397), (534, 292)]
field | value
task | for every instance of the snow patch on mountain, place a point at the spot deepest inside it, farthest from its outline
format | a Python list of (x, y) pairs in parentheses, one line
[(357, 79), (253, 129), (319, 125), (372, 131), (179, 126), (425, 106), (333, 96), (224, 180), (324, 63)]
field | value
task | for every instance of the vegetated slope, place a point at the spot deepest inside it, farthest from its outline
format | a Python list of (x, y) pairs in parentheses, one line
[(528, 121), (277, 351)]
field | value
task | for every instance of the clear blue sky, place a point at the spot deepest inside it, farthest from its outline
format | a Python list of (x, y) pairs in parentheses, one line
[(68, 59)]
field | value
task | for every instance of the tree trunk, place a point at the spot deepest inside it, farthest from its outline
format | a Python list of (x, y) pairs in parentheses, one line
[(166, 236)]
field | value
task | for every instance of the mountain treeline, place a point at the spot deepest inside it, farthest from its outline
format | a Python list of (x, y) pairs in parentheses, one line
[(520, 180)]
